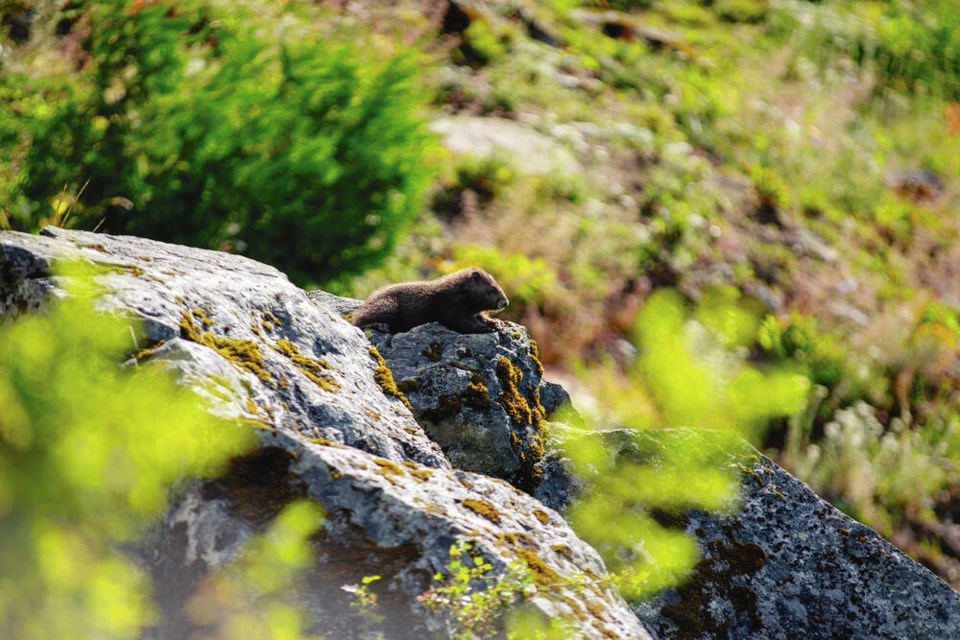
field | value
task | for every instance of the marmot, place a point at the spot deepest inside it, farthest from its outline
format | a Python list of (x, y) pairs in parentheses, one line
[(456, 301)]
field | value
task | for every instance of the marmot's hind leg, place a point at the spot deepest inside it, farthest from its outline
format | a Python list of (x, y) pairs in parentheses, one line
[(471, 324), (376, 314)]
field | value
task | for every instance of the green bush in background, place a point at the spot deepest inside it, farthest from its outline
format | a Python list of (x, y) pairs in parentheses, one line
[(240, 127), (912, 46)]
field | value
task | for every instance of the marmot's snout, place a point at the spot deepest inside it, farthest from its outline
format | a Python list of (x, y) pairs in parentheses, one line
[(503, 303)]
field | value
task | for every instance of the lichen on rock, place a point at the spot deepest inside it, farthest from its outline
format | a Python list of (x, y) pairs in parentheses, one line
[(477, 396)]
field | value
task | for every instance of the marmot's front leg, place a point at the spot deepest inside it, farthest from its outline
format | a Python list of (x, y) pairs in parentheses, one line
[(477, 323)]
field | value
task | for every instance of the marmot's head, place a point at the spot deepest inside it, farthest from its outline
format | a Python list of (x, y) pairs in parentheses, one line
[(483, 289)]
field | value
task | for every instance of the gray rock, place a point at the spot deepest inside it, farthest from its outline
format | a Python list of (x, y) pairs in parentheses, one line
[(259, 349), (786, 564), (335, 428), (534, 153), (301, 367), (340, 305), (476, 395)]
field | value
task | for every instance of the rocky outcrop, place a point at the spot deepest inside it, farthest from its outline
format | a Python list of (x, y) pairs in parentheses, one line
[(334, 426), (782, 562), (413, 442), (477, 396)]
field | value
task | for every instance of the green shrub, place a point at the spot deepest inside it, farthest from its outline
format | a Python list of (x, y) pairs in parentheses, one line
[(913, 47), (228, 126), (796, 339)]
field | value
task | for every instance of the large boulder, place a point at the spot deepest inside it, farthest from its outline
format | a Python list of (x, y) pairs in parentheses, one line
[(781, 562), (332, 426)]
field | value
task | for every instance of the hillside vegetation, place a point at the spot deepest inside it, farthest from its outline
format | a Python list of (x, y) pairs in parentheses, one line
[(799, 159)]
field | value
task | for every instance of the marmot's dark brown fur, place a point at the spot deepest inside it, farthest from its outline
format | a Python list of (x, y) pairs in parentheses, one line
[(456, 301)]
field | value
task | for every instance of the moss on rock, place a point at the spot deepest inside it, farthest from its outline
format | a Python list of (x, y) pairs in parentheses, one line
[(483, 508), (243, 353), (511, 400), (313, 368), (384, 378), (477, 395)]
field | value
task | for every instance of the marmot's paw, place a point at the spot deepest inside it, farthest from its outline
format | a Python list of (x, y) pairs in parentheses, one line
[(382, 327)]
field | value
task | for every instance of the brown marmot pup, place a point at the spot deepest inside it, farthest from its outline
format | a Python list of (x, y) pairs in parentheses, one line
[(456, 301)]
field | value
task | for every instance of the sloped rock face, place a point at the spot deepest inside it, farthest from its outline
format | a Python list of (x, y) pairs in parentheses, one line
[(477, 396), (790, 565), (786, 564), (331, 427), (288, 362)]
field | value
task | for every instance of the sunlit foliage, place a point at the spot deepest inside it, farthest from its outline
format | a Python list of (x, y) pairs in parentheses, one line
[(688, 374), (245, 126), (252, 596), (472, 599), (87, 453)]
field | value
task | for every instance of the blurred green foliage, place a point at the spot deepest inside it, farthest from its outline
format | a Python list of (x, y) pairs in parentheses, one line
[(87, 453), (796, 339), (691, 372), (913, 46), (251, 596), (236, 126)]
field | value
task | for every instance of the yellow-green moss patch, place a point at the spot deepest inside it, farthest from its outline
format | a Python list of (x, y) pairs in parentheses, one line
[(522, 414), (483, 508), (543, 575), (388, 467), (254, 422), (417, 471), (148, 351), (517, 539), (563, 551), (243, 353), (535, 356), (477, 396), (313, 368), (511, 400), (120, 268), (384, 378), (202, 317), (541, 515)]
